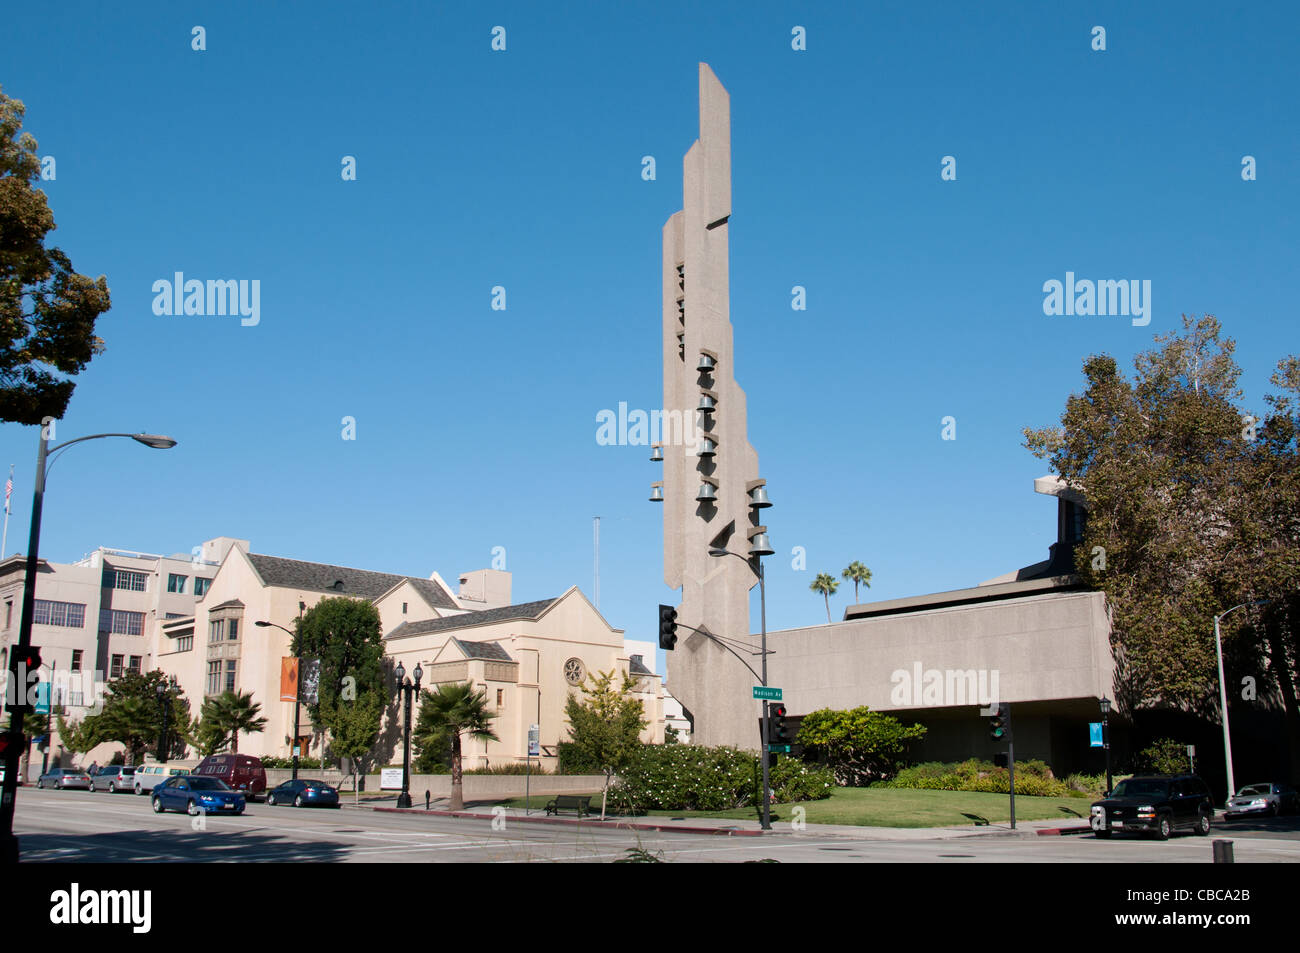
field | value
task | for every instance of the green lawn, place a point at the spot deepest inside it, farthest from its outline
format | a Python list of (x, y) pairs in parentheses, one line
[(895, 807)]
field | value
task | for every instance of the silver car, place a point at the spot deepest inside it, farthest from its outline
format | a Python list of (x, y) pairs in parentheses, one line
[(112, 778), (1271, 799), (64, 778)]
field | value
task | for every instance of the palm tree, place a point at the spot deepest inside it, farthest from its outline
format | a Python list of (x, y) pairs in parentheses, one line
[(825, 584), (226, 715), (859, 573), (446, 712)]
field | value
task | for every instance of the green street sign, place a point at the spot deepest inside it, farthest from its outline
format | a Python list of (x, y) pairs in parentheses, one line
[(779, 749), (771, 694)]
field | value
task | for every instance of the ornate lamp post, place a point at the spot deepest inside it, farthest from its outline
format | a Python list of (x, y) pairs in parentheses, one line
[(406, 688)]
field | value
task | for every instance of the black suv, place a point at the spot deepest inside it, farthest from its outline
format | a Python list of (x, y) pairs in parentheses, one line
[(1154, 804)]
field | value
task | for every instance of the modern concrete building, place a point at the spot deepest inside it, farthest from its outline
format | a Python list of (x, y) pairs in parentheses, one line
[(97, 618), (1034, 638)]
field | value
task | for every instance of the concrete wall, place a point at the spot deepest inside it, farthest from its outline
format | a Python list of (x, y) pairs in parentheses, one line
[(476, 786)]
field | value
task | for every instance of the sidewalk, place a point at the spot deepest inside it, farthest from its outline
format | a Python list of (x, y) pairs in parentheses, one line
[(731, 827)]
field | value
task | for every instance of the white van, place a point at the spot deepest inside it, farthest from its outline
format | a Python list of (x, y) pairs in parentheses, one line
[(148, 775)]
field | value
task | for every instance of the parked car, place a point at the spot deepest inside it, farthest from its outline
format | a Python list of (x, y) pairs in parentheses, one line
[(1272, 799), (112, 778), (1154, 804), (149, 776), (64, 778), (241, 772), (302, 793), (197, 795)]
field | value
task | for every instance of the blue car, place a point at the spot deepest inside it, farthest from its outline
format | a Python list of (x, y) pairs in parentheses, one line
[(197, 795), (302, 793)]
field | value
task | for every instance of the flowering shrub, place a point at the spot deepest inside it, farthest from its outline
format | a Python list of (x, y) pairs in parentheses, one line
[(794, 780), (686, 778)]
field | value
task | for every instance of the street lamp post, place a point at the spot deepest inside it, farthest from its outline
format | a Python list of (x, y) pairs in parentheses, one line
[(44, 454), (756, 564), (297, 694), (163, 690), (407, 689), (1223, 690), (1105, 738)]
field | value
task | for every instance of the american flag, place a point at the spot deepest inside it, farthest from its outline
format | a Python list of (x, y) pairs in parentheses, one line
[(9, 488)]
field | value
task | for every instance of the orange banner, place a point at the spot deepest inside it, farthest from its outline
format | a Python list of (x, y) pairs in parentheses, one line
[(288, 679)]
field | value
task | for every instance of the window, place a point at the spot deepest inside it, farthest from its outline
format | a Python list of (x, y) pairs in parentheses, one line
[(201, 585), (176, 582), (232, 630), (214, 631), (230, 675), (75, 698), (175, 615), (403, 609), (76, 660), (214, 678), (133, 664), (125, 579), (185, 643), (501, 698), (121, 622), (115, 670), (69, 614), (9, 613)]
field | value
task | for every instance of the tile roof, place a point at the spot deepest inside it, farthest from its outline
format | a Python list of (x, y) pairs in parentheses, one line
[(637, 667), (433, 593), (484, 650), (520, 612)]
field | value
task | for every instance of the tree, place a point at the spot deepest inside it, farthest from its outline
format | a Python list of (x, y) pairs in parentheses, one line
[(132, 716), (1193, 506), (859, 745), (859, 573), (826, 584), (447, 712), (47, 310), (605, 726), (347, 636), (223, 717)]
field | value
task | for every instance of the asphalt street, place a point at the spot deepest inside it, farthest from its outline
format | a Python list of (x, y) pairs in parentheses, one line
[(74, 826)]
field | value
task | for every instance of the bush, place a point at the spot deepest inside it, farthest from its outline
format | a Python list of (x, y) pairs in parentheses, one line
[(512, 768), (686, 778), (859, 745), (269, 762), (795, 780), (570, 760), (1033, 779), (1093, 785), (1164, 756)]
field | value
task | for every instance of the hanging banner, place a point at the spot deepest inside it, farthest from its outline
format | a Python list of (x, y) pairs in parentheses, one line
[(310, 681), (288, 679)]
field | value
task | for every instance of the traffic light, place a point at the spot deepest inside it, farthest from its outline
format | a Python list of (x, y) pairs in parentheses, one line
[(11, 739), (667, 627), (1000, 724), (23, 665), (777, 732)]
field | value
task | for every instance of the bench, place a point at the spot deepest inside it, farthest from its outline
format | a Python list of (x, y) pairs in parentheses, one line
[(569, 802)]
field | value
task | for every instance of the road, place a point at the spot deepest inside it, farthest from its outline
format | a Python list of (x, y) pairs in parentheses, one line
[(72, 826)]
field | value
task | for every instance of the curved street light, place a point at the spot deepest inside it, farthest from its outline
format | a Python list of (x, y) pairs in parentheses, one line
[(1223, 691), (8, 842)]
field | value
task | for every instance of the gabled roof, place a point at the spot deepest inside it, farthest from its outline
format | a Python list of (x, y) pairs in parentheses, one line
[(483, 650), (321, 577), (428, 590), (636, 667), (524, 611), (228, 604)]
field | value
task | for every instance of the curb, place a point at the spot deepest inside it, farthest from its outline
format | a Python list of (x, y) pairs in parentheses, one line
[(579, 822), (1049, 831)]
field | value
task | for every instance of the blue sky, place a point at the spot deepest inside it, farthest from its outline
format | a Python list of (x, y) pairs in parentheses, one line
[(476, 428)]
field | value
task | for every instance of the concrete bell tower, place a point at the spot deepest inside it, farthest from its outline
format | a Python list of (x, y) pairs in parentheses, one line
[(707, 476)]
